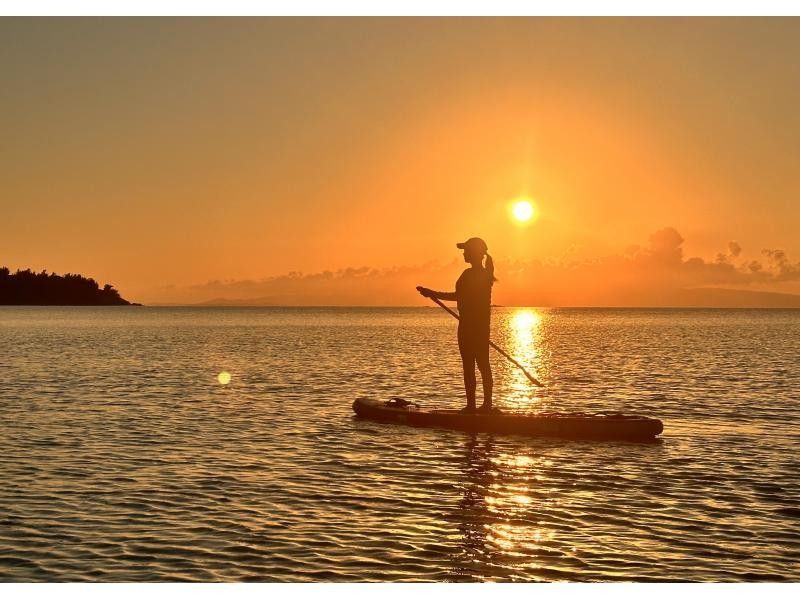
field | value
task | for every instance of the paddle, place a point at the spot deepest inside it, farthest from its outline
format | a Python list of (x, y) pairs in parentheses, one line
[(491, 344)]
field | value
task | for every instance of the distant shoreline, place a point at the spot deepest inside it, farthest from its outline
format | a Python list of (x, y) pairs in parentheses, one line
[(687, 298)]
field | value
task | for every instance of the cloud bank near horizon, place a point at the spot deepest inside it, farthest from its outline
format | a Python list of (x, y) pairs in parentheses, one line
[(650, 275)]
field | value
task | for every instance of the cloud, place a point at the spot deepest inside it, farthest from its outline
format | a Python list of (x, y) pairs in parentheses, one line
[(650, 275), (665, 246), (349, 286), (780, 265)]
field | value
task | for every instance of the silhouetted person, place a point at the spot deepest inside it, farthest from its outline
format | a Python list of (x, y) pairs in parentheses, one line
[(474, 296)]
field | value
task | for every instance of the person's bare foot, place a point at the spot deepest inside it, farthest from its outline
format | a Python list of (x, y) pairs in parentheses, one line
[(468, 410)]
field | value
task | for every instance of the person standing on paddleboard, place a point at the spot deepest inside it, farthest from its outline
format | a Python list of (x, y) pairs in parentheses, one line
[(474, 297)]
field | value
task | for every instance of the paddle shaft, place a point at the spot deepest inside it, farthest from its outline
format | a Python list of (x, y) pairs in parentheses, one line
[(491, 344)]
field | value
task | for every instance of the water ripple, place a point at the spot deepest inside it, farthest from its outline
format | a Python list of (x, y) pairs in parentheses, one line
[(123, 459)]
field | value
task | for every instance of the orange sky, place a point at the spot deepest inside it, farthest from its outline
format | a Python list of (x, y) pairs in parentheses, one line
[(160, 154)]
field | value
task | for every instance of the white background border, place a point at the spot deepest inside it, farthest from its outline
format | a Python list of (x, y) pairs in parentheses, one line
[(398, 7), (390, 8)]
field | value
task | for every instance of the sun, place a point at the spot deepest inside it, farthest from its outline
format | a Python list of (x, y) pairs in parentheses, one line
[(523, 211), (223, 378)]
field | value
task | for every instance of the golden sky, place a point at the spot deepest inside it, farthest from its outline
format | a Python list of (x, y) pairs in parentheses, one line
[(161, 154)]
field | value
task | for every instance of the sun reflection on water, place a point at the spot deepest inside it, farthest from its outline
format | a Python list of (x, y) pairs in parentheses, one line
[(523, 322), (501, 510), (525, 332), (517, 540)]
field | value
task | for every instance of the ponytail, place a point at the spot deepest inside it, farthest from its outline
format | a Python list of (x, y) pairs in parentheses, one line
[(490, 268)]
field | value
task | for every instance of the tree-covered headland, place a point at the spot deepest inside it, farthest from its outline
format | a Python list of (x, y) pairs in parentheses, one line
[(25, 287)]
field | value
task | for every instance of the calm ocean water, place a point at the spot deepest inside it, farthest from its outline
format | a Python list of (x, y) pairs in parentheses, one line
[(122, 458)]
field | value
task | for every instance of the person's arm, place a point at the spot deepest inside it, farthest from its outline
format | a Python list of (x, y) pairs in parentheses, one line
[(445, 296)]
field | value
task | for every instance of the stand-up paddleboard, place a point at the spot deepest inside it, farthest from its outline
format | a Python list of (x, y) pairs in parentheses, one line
[(613, 426)]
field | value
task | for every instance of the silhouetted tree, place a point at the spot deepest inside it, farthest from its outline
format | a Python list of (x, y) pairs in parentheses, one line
[(25, 287)]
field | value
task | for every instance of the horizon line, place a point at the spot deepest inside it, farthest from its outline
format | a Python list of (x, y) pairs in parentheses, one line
[(407, 306)]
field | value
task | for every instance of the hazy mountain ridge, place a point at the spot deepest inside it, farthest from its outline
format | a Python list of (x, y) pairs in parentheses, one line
[(699, 297), (656, 274)]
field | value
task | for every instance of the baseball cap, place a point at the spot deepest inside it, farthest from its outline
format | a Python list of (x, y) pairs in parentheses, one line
[(475, 244)]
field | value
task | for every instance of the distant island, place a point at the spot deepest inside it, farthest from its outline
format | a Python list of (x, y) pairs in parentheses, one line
[(25, 287)]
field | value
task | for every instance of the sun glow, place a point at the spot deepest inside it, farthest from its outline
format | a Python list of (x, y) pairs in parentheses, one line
[(523, 211), (223, 378)]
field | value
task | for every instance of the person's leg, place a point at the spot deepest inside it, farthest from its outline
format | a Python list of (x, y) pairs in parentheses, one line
[(470, 382), (468, 362), (486, 377)]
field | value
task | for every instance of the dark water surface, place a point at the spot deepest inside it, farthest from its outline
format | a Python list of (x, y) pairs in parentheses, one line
[(122, 458)]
